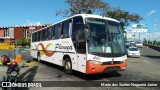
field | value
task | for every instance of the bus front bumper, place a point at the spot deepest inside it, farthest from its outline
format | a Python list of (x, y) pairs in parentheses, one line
[(97, 68)]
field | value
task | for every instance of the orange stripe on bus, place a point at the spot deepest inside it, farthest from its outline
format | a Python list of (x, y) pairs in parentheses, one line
[(49, 54)]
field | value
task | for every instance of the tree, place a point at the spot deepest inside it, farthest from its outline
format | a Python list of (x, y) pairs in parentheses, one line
[(101, 8), (83, 7), (145, 41), (155, 43), (124, 17)]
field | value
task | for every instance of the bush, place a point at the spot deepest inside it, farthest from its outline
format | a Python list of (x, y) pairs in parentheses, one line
[(149, 42), (22, 42), (155, 43), (158, 43)]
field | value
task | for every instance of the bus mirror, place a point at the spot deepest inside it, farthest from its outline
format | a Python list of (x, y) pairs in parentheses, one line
[(125, 35), (86, 26), (86, 32)]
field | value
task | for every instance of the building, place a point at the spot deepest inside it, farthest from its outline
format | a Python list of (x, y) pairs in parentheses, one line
[(8, 34)]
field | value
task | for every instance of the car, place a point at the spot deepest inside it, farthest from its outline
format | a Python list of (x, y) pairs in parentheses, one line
[(127, 44), (133, 52), (132, 44), (139, 44)]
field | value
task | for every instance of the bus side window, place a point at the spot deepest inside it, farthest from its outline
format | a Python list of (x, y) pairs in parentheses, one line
[(46, 34), (53, 32), (33, 35), (81, 44), (66, 28), (62, 31), (57, 31), (70, 28), (37, 36), (76, 20), (43, 37), (50, 33)]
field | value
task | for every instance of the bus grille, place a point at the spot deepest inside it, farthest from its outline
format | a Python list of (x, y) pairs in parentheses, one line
[(111, 69), (110, 63)]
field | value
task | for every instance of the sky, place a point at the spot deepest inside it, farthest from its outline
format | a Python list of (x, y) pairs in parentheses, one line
[(148, 9), (36, 12)]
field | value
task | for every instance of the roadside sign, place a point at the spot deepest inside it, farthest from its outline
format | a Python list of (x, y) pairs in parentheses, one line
[(139, 28)]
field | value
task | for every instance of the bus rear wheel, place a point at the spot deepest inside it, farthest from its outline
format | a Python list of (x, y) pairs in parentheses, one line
[(68, 66)]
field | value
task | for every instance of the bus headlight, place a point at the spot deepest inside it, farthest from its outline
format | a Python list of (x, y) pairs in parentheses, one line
[(95, 62), (124, 61)]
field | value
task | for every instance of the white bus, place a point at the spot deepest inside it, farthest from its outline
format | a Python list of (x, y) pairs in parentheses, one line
[(86, 43)]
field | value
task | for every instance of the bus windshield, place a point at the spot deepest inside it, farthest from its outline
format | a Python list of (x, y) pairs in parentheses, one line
[(106, 37)]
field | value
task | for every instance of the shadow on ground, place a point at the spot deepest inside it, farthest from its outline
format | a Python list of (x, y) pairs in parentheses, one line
[(96, 76), (84, 76), (28, 76), (151, 56)]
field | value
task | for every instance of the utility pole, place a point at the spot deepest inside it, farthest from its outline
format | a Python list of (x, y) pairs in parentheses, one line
[(155, 28), (139, 36), (149, 34)]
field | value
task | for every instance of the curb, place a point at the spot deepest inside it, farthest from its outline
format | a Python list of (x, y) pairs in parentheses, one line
[(29, 64), (7, 63), (26, 49)]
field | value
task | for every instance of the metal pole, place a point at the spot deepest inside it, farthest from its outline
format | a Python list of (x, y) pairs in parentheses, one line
[(139, 36), (149, 35)]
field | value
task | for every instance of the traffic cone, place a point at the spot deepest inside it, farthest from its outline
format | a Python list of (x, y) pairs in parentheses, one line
[(18, 58)]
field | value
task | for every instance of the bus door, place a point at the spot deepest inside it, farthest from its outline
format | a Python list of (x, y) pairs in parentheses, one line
[(81, 49)]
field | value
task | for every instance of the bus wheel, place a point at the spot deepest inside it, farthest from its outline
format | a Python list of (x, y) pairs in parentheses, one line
[(68, 66), (38, 57)]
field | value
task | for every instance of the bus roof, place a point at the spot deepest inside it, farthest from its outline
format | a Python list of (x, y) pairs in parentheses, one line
[(84, 16), (95, 16)]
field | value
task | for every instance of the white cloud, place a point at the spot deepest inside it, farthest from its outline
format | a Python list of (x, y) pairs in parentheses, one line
[(30, 23), (151, 12)]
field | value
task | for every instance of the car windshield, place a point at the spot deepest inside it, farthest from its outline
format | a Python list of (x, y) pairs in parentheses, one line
[(105, 37), (127, 41), (139, 43), (133, 49)]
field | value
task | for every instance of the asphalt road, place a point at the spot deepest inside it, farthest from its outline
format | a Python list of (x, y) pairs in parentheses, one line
[(145, 68)]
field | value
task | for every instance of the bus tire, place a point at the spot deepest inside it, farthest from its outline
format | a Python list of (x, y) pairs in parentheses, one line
[(38, 57), (68, 66)]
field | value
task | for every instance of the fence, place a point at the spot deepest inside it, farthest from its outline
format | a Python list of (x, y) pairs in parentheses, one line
[(9, 53), (153, 47)]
